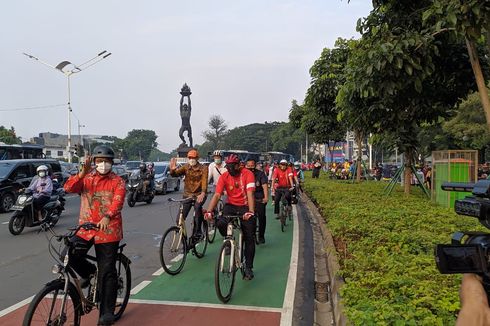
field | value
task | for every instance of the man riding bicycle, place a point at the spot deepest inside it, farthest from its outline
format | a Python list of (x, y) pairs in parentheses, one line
[(261, 196), (102, 197), (216, 168), (282, 183), (195, 186), (240, 187)]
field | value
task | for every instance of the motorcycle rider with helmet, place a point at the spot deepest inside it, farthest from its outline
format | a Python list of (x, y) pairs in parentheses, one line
[(102, 197), (145, 176), (41, 187)]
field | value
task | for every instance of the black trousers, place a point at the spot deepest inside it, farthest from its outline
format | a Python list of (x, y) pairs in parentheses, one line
[(277, 198), (198, 216), (106, 254), (260, 213), (248, 230), (40, 201)]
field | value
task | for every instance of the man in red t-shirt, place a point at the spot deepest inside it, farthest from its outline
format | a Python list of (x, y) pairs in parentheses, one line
[(282, 182), (240, 187)]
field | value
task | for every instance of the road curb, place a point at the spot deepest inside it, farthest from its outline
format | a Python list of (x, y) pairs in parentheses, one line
[(328, 306)]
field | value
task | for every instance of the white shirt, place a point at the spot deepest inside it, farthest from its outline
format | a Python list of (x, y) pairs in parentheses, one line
[(213, 172)]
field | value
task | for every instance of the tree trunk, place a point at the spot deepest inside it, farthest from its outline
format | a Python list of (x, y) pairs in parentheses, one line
[(407, 161), (480, 80), (359, 156)]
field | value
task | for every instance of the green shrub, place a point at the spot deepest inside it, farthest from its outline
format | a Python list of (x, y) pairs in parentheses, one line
[(385, 246)]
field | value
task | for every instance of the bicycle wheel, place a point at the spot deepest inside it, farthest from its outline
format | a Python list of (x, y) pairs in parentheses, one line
[(123, 284), (224, 273), (173, 250), (45, 308), (200, 246), (282, 216)]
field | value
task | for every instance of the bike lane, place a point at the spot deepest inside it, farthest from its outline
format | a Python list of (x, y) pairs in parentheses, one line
[(189, 298)]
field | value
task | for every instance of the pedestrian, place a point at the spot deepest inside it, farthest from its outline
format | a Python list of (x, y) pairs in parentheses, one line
[(316, 169), (261, 197)]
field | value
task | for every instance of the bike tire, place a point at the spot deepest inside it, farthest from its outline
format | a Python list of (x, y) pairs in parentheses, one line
[(211, 234), (123, 285), (43, 303), (224, 273), (172, 245), (199, 249)]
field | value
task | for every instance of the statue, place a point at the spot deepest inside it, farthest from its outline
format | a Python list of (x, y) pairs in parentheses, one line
[(185, 114)]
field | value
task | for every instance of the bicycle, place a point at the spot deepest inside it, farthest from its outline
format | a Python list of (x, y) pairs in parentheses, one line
[(63, 301), (230, 259), (218, 211), (284, 210), (175, 244)]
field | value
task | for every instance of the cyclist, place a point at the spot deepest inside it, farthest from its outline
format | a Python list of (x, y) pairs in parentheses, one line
[(261, 196), (195, 185), (283, 179), (102, 198), (300, 176), (216, 168), (240, 186)]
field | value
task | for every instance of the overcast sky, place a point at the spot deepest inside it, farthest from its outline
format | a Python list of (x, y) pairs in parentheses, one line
[(244, 60)]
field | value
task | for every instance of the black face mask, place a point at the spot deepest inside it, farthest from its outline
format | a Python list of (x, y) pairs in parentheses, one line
[(251, 169), (233, 169)]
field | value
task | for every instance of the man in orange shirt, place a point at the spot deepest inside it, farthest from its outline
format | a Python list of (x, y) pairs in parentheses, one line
[(102, 197), (282, 183)]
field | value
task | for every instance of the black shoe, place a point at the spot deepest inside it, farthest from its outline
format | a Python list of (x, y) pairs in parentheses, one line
[(277, 217), (227, 251), (106, 319), (261, 240), (85, 282), (248, 274)]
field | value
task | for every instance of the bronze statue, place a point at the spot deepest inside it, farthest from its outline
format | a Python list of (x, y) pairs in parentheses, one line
[(185, 114)]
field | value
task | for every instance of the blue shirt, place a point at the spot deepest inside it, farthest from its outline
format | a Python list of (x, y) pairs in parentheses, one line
[(45, 184)]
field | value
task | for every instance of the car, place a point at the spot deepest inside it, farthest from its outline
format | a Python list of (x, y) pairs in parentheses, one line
[(163, 180), (132, 166), (17, 174), (120, 170)]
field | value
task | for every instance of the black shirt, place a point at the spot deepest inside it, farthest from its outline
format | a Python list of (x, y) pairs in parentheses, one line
[(260, 179)]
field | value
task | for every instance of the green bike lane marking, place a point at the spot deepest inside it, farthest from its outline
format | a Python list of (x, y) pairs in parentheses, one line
[(196, 281)]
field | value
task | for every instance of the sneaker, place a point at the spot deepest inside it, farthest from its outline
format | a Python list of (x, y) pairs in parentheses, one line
[(227, 251), (248, 274), (106, 319), (261, 240)]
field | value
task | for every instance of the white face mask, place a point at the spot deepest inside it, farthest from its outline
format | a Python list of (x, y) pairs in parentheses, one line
[(42, 174), (217, 160), (104, 167), (192, 161)]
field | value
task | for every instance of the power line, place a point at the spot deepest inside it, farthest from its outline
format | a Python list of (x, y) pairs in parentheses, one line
[(35, 107)]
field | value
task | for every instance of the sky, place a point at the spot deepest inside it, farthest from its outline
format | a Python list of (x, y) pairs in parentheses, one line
[(243, 60)]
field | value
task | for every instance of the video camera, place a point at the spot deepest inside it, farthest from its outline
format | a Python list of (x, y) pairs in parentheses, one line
[(469, 252)]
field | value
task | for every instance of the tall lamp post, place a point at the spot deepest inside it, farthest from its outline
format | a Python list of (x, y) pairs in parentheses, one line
[(67, 68), (80, 139)]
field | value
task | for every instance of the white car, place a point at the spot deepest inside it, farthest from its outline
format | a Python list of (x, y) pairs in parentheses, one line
[(163, 180)]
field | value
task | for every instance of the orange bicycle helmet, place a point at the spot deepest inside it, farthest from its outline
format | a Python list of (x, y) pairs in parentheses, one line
[(193, 153)]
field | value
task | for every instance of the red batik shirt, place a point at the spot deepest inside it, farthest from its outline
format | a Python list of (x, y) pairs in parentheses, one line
[(100, 196)]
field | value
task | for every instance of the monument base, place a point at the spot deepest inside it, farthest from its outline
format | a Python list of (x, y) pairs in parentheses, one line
[(183, 149)]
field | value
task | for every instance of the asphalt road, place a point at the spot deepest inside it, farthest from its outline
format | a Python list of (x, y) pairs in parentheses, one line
[(25, 263)]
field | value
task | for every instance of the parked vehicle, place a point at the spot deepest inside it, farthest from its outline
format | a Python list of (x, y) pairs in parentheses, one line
[(25, 214), (135, 191), (132, 166), (120, 170), (17, 174), (163, 180)]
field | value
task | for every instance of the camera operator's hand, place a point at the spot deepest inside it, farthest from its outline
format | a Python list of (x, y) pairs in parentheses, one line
[(474, 302)]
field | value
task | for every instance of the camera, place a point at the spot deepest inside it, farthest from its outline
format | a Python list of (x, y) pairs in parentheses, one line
[(469, 252)]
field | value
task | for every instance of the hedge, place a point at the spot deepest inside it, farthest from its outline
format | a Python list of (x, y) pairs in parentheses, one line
[(385, 246)]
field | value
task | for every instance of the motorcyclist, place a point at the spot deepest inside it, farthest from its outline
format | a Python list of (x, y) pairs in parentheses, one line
[(144, 174), (151, 173), (41, 187)]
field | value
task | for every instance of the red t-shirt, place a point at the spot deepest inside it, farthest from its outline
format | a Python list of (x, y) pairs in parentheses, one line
[(282, 177), (236, 187)]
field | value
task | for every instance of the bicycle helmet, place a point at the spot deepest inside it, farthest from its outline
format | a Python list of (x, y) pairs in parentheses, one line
[(42, 168), (297, 165), (218, 153), (103, 151), (142, 166), (232, 158), (193, 153), (283, 161)]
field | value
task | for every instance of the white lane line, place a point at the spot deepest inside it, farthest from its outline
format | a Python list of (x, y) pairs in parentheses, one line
[(177, 258), (139, 287), (159, 272), (288, 304), (15, 306), (5, 223), (206, 305)]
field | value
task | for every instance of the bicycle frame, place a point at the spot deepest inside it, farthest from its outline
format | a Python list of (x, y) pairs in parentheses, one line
[(235, 250)]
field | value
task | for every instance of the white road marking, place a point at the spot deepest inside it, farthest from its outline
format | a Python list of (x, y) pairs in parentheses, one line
[(177, 258), (139, 287), (5, 223), (206, 305), (15, 306), (159, 272), (288, 304)]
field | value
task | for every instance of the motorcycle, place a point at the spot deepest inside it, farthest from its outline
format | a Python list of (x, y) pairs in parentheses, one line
[(135, 191), (25, 214)]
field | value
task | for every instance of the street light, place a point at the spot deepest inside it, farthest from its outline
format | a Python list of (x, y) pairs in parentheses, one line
[(80, 140), (64, 68)]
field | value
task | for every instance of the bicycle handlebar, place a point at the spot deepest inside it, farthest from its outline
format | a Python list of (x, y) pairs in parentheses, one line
[(183, 200)]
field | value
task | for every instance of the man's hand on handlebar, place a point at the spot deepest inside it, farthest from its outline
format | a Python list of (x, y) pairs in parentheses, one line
[(208, 216), (248, 215)]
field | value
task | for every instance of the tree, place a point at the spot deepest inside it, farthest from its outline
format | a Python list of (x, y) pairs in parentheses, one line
[(287, 139), (217, 130), (139, 143), (404, 76), (8, 136)]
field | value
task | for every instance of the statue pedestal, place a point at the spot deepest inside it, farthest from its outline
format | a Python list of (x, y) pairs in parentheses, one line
[(183, 149)]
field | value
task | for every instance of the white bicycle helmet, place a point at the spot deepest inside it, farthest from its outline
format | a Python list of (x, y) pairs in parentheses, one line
[(218, 153), (42, 168), (283, 161)]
